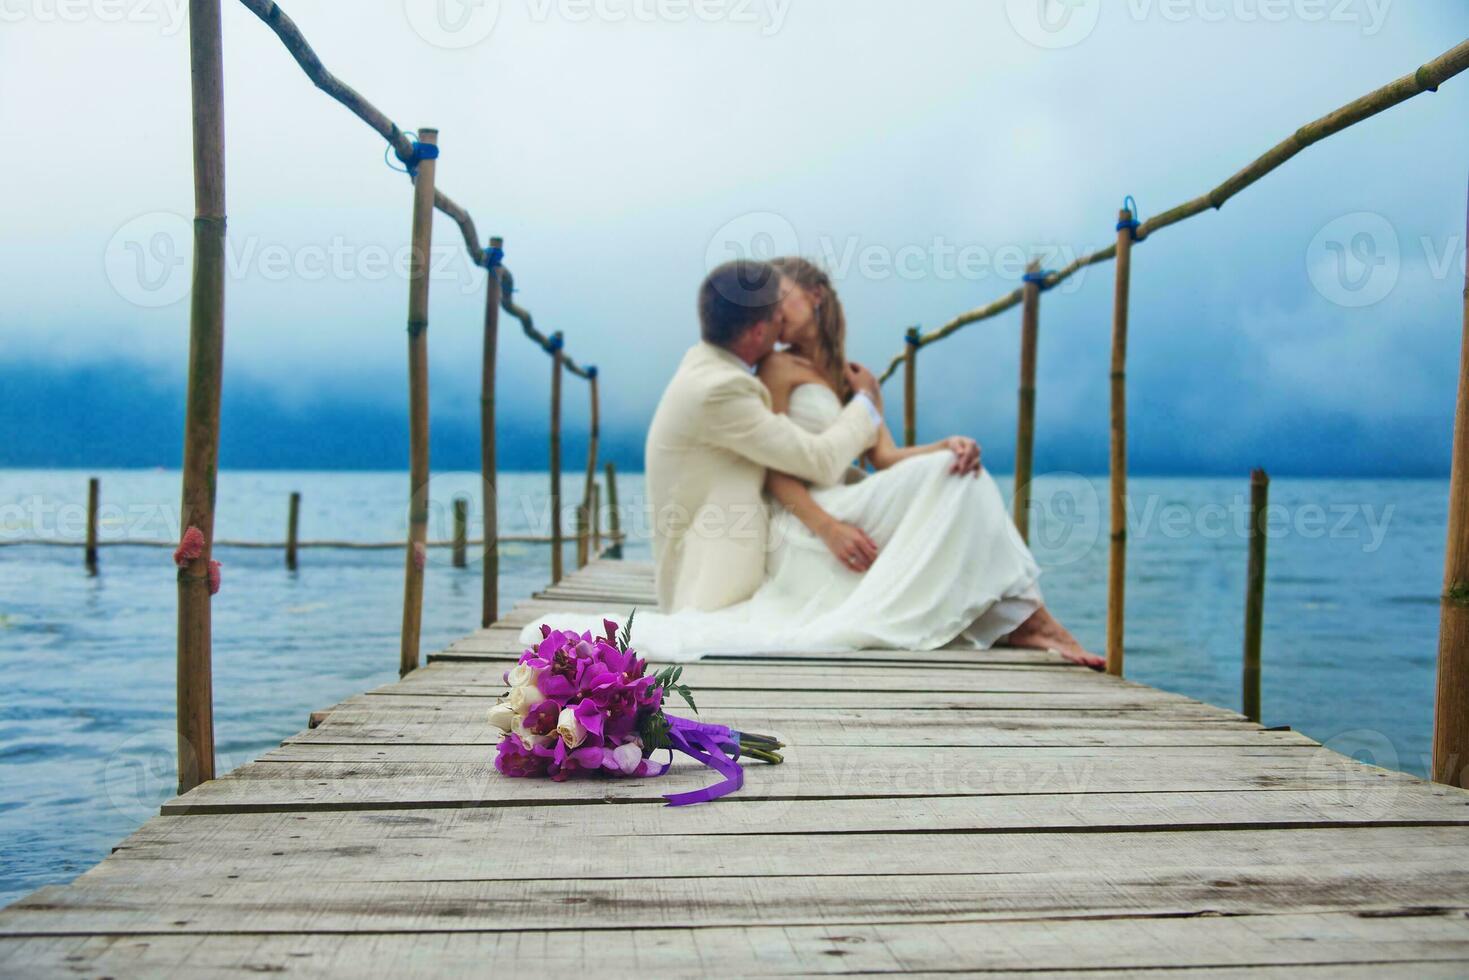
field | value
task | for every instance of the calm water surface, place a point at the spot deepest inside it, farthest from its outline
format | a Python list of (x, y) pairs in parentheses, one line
[(86, 724)]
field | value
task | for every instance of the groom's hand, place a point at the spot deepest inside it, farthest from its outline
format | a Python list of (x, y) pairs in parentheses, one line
[(850, 545), (865, 381)]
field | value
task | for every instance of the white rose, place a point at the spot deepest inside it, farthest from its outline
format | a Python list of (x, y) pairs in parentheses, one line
[(572, 732), (627, 757), (503, 717), (525, 697), (520, 675)]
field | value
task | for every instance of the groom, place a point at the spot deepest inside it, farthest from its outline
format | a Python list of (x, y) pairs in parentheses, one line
[(714, 436)]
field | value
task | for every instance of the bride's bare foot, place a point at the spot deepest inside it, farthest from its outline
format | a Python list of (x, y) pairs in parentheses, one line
[(1042, 631)]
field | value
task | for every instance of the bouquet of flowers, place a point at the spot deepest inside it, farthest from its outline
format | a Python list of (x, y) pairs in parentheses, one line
[(583, 706)]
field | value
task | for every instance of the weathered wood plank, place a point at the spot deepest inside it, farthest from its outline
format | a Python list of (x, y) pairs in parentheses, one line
[(829, 774), (474, 906), (1273, 945), (870, 728), (1416, 804), (918, 702), (753, 677), (165, 850)]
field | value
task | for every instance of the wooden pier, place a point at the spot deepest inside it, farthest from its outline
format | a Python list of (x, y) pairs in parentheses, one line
[(939, 812)]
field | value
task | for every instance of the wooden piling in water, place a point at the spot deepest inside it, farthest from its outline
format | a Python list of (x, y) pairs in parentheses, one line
[(1451, 708), (1255, 593), (614, 519), (418, 432), (488, 465), (94, 497), (584, 543), (910, 387), (1117, 556), (558, 359), (1030, 319), (195, 692), (461, 532), (293, 531)]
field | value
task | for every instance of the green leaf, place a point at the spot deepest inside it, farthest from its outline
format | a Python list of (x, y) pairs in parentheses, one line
[(625, 638)]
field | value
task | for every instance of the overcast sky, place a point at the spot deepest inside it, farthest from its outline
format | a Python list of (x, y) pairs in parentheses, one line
[(920, 149)]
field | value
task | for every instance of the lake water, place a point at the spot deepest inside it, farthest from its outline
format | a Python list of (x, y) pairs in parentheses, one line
[(86, 726)]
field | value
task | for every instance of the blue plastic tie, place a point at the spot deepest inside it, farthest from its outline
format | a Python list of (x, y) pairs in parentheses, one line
[(592, 372), (1132, 224), (1040, 278), (556, 343), (494, 257), (421, 152), (914, 338)]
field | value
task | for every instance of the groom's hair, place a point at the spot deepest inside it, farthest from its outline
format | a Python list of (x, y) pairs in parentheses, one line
[(735, 297)]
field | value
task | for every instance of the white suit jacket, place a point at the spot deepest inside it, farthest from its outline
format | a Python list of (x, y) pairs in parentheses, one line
[(712, 440)]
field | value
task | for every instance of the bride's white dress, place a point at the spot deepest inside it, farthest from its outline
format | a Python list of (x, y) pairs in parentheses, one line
[(950, 567)]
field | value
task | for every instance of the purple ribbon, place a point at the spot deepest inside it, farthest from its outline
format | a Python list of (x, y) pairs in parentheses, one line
[(712, 745)]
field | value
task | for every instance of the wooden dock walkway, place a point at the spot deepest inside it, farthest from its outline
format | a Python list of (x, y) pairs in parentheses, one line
[(940, 812)]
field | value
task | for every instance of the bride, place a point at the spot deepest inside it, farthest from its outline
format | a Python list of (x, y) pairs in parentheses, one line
[(917, 555)]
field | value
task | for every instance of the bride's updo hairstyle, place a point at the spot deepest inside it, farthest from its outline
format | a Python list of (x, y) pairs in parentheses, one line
[(831, 319)]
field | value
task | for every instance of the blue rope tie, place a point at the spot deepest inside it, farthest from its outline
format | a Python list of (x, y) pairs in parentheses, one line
[(1040, 278), (914, 338), (421, 152), (494, 257), (1132, 224), (592, 373), (556, 343)]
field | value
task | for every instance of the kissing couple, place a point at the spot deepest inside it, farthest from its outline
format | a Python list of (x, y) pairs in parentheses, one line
[(785, 517)]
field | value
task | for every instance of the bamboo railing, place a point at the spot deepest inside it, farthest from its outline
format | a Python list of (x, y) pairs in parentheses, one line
[(1452, 713), (198, 576)]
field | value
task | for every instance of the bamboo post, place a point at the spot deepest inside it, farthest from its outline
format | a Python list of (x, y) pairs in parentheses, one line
[(1451, 711), (488, 466), (597, 518), (201, 421), (614, 519), (1025, 438), (1255, 593), (558, 360), (461, 532), (293, 530), (1117, 561), (584, 544), (583, 535), (418, 433), (94, 496), (910, 387)]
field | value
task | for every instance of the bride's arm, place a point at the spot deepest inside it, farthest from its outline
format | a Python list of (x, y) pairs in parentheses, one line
[(887, 452), (851, 545)]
